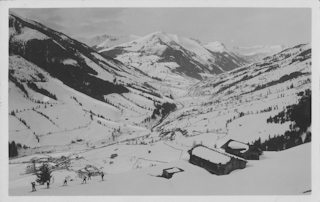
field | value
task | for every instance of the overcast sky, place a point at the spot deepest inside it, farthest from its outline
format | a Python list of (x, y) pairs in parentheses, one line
[(232, 26)]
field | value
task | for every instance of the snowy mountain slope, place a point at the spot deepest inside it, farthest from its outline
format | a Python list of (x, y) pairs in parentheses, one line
[(227, 104), (91, 41), (256, 53), (36, 119), (58, 55), (227, 59), (295, 59), (107, 41), (159, 53), (216, 46), (74, 63), (115, 40), (112, 41), (58, 85)]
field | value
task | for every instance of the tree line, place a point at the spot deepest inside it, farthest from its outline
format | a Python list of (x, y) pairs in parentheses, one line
[(163, 109), (300, 116), (14, 147)]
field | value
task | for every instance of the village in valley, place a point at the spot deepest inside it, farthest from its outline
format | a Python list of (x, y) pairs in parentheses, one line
[(159, 114)]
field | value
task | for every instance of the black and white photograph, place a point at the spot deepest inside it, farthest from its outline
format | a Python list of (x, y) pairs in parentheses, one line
[(133, 100)]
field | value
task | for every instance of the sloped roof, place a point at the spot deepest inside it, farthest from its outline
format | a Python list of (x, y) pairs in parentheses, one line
[(52, 164), (210, 155), (234, 144), (173, 170), (238, 145)]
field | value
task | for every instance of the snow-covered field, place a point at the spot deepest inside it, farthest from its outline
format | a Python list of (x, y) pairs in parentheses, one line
[(277, 173)]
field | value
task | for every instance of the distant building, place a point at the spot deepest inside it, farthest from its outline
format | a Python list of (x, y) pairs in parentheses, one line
[(42, 160), (214, 161), (62, 158), (242, 150), (88, 169), (32, 168), (81, 173), (52, 165)]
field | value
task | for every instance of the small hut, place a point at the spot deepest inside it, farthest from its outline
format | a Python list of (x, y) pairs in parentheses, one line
[(168, 172), (81, 173), (62, 158), (113, 156), (242, 150), (92, 169), (215, 161), (30, 169)]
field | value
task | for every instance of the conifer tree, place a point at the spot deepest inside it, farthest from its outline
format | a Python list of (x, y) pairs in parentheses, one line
[(13, 150), (44, 174)]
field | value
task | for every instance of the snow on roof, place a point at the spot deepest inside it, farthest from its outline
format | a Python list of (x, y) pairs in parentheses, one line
[(52, 164), (238, 145), (210, 155), (173, 170), (38, 165)]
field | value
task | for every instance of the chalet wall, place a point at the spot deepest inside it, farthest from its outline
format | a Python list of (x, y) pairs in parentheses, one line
[(211, 167), (234, 164), (249, 155), (218, 169)]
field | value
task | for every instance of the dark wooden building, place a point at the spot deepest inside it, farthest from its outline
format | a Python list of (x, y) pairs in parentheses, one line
[(242, 150), (113, 156), (168, 172), (215, 161)]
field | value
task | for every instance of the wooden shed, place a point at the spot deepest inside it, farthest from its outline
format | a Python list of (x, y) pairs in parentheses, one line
[(113, 156), (168, 172), (215, 161), (248, 152)]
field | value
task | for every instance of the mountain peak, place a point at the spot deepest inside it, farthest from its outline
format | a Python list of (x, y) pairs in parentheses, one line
[(106, 40), (158, 50), (215, 46), (157, 33), (196, 40)]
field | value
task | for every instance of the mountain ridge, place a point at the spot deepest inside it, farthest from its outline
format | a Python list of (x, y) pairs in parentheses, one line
[(184, 55), (222, 58), (257, 52), (106, 41)]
